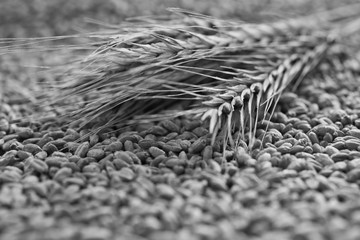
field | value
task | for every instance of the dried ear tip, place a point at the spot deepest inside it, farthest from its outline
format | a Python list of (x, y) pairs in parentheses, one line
[(255, 88), (245, 95), (225, 108), (237, 102)]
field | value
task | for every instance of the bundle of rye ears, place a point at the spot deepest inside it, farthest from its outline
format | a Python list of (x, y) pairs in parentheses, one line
[(231, 73)]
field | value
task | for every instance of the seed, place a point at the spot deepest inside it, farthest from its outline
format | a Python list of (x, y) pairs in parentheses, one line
[(38, 165), (207, 153), (165, 191), (96, 153), (124, 156), (74, 159), (197, 146), (56, 134), (281, 142), (71, 131), (264, 157), (287, 128), (23, 155), (171, 126), (305, 155), (158, 160), (114, 146), (323, 159), (74, 180), (354, 154), (305, 127), (55, 161), (285, 148), (179, 170), (317, 148), (241, 156), (142, 155), (303, 137), (71, 165), (276, 135), (91, 168), (119, 163), (313, 137), (72, 146), (356, 123), (217, 168), (173, 146), (41, 155), (32, 148), (155, 152), (200, 131), (280, 117), (298, 165), (339, 145), (157, 131), (45, 139), (322, 129), (345, 120), (33, 140), (308, 149), (266, 139), (277, 161), (4, 125), (10, 137), (340, 166), (128, 146), (15, 145), (126, 174), (9, 177), (353, 175), (185, 145), (340, 156), (62, 174), (217, 183), (93, 139), (296, 149), (83, 162), (352, 144), (187, 136), (49, 148), (147, 143), (24, 132), (328, 137), (355, 163), (82, 150), (70, 138), (171, 162), (329, 150)]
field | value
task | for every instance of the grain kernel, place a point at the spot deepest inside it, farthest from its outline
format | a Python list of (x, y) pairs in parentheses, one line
[(197, 146), (82, 150), (124, 156), (32, 148), (155, 152), (96, 153), (38, 165), (337, 157)]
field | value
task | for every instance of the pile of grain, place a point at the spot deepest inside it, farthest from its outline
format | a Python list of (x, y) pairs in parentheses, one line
[(166, 180)]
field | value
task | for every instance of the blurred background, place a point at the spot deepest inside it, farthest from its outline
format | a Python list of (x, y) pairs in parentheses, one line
[(36, 18)]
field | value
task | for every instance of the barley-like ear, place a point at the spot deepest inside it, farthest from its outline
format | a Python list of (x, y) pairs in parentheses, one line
[(237, 71)]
